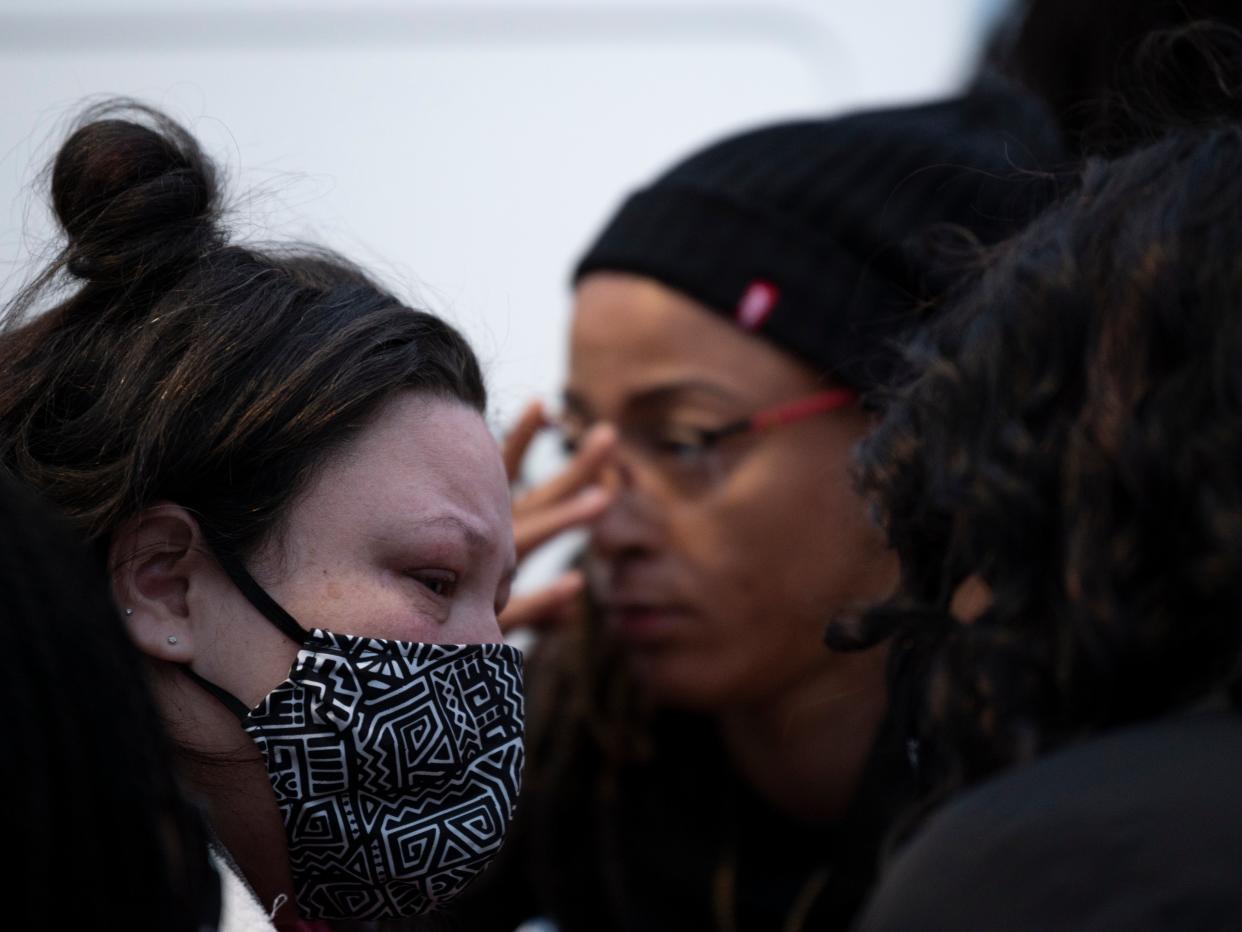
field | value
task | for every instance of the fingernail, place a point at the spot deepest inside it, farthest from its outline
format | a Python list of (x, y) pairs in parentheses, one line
[(594, 496), (602, 435)]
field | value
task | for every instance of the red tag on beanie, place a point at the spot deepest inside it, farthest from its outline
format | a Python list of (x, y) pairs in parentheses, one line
[(756, 304)]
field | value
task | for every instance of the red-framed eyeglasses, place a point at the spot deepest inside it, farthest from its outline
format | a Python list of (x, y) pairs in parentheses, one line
[(688, 454)]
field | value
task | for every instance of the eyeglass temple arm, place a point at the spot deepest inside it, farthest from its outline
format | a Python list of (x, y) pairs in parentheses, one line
[(827, 400)]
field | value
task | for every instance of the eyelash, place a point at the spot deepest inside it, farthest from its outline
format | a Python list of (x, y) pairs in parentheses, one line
[(442, 585)]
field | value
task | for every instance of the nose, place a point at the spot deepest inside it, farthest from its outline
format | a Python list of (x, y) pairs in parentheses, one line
[(631, 522), (617, 473)]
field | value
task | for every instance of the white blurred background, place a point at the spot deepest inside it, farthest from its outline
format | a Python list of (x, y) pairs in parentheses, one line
[(463, 150)]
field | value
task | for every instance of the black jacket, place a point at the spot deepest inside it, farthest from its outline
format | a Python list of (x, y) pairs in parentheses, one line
[(1139, 828)]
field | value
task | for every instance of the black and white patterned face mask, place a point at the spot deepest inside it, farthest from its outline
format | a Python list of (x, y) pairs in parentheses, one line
[(396, 765)]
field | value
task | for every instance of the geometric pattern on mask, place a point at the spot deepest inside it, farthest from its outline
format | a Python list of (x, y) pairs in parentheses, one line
[(396, 767)]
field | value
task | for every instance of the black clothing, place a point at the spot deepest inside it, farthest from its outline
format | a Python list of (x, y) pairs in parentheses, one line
[(649, 849), (1139, 828)]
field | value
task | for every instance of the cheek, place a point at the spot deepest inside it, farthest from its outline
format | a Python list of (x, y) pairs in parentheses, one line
[(360, 602), (785, 543), (743, 568)]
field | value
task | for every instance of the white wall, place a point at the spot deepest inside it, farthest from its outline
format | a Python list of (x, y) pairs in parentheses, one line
[(465, 150)]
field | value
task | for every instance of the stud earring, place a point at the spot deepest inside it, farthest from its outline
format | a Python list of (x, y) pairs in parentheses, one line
[(172, 639), (129, 611)]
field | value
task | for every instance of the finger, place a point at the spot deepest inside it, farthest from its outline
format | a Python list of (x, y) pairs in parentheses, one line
[(543, 607), (596, 447), (532, 528), (517, 441)]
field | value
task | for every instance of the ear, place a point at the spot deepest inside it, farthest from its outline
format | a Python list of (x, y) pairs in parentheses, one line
[(156, 557)]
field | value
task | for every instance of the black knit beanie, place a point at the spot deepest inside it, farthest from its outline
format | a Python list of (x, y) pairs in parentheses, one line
[(826, 236)]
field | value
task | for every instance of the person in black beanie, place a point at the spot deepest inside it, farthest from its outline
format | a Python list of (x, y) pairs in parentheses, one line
[(697, 758)]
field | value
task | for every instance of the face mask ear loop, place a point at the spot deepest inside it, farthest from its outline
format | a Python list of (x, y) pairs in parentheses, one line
[(265, 605), (263, 602), (231, 702)]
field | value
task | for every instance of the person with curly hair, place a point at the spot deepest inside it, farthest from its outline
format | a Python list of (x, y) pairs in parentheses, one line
[(1069, 447)]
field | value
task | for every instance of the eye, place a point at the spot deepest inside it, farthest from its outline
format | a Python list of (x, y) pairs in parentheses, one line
[(679, 443), (440, 583)]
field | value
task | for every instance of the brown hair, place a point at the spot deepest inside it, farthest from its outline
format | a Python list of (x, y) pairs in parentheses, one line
[(180, 366)]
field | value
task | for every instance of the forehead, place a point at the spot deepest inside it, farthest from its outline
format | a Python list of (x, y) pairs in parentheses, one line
[(422, 461), (630, 333)]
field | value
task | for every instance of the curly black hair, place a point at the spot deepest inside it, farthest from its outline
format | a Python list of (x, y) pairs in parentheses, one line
[(1116, 76), (1072, 436)]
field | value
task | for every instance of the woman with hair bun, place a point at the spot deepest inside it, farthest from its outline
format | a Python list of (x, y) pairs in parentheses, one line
[(286, 473)]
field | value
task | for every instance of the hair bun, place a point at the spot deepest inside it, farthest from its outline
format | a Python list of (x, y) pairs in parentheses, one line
[(135, 198)]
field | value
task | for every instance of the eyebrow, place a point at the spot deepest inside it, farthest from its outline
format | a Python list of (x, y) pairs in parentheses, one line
[(475, 539), (653, 394)]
